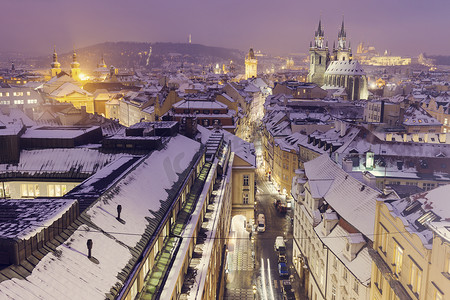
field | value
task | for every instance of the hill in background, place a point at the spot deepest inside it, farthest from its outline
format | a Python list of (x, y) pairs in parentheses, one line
[(134, 54)]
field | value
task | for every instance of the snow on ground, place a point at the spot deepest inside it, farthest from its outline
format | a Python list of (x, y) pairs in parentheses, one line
[(143, 190)]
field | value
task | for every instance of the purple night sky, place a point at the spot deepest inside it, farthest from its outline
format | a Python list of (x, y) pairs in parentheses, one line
[(405, 27)]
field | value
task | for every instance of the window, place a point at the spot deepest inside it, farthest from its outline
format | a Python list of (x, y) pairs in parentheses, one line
[(398, 258), (5, 102), (18, 102), (4, 190), (379, 280), (145, 268), (29, 190), (355, 286), (245, 180), (415, 278), (32, 101), (333, 292), (384, 238), (334, 263), (245, 198), (56, 190), (345, 275), (216, 111), (186, 111), (28, 93), (438, 295), (134, 290), (206, 111)]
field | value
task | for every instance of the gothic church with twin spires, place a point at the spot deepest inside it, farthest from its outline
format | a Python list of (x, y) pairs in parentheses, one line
[(337, 72)]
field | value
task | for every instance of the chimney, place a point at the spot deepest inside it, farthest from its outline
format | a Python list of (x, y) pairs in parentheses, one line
[(83, 111), (347, 165), (343, 128), (89, 245), (119, 210)]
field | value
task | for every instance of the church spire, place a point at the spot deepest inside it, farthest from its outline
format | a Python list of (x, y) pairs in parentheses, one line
[(342, 36), (319, 36), (342, 32)]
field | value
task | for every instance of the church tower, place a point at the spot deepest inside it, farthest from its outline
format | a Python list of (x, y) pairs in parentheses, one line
[(102, 63), (56, 66), (251, 65), (75, 67), (319, 57), (342, 52)]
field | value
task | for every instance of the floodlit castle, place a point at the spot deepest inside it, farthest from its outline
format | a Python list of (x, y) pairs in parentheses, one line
[(336, 71)]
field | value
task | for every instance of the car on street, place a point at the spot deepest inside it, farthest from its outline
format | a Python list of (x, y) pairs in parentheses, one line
[(288, 292), (283, 269), (261, 223)]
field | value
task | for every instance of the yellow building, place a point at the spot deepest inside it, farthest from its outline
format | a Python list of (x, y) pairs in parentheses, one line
[(251, 65), (411, 250), (75, 67), (285, 161), (439, 108)]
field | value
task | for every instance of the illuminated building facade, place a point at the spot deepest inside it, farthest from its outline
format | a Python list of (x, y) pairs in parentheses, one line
[(56, 66), (251, 65)]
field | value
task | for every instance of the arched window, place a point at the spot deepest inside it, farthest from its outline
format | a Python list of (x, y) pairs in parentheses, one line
[(320, 60)]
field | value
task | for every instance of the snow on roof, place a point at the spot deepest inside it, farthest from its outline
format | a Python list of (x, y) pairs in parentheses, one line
[(241, 148), (57, 132), (351, 199), (142, 191), (67, 273), (200, 105), (345, 67), (336, 241), (67, 89), (77, 160), (418, 116), (24, 218)]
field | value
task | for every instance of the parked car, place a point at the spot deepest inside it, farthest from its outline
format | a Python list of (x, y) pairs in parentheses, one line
[(282, 257), (283, 269), (288, 292), (279, 245), (261, 223)]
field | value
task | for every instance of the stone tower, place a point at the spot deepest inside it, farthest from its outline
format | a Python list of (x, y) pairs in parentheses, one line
[(251, 65), (75, 67), (319, 57), (56, 66), (343, 51)]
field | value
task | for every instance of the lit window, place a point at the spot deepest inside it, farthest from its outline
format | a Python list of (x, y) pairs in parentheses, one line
[(29, 190), (415, 278), (56, 190), (19, 101), (384, 238), (398, 258), (28, 93), (438, 295), (134, 290), (4, 190)]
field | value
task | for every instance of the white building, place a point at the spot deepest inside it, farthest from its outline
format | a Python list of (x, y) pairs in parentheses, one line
[(333, 228)]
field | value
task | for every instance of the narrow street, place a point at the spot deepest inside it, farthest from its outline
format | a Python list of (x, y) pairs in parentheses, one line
[(260, 268)]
